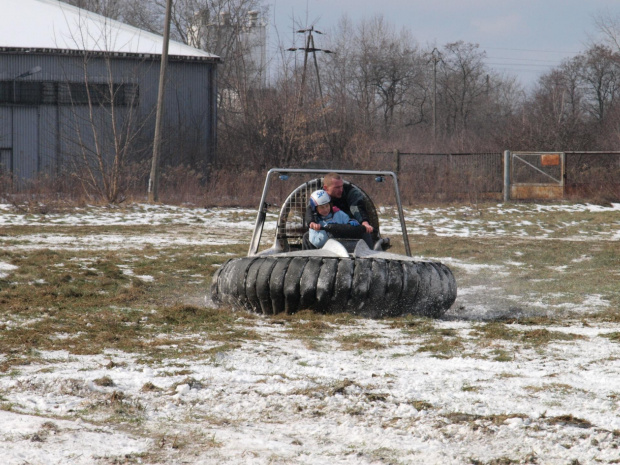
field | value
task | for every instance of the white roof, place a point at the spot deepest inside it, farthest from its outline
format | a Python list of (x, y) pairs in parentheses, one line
[(51, 24)]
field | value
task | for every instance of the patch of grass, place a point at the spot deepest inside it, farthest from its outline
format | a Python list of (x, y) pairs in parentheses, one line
[(497, 419), (496, 461), (214, 351), (469, 388), (125, 409), (559, 388), (171, 442), (614, 336), (529, 320), (500, 355), (191, 382), (6, 406), (150, 387), (569, 420), (552, 272), (420, 404), (310, 327), (376, 397), (383, 455), (413, 325), (105, 381), (442, 346), (209, 321), (339, 387), (360, 341), (495, 331), (47, 428), (440, 342), (88, 299), (543, 336), (321, 391)]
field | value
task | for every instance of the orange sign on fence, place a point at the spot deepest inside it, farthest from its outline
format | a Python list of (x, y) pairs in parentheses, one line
[(550, 159)]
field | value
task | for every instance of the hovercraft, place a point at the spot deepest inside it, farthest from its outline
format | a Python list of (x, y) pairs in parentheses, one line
[(345, 275)]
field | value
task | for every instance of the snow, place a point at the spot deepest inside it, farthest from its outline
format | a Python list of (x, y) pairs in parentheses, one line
[(5, 268), (50, 24), (274, 400)]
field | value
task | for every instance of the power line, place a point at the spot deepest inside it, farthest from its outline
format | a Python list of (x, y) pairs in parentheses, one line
[(524, 64), (520, 59), (531, 50), (528, 65)]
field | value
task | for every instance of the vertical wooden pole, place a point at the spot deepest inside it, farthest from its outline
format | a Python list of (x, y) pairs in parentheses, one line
[(153, 189)]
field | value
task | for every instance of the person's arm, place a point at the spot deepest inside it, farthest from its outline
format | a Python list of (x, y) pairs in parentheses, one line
[(311, 219), (369, 228), (343, 226), (341, 217), (358, 209), (318, 238)]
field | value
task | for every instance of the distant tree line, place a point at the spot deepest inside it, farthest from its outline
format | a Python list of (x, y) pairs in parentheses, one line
[(381, 90)]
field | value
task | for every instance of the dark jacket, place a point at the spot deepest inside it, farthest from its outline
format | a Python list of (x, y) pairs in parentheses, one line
[(351, 202)]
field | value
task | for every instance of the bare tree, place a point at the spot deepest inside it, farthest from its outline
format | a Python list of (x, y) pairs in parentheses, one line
[(608, 24), (374, 67), (110, 8), (599, 69), (98, 106), (555, 111), (101, 134), (393, 74), (463, 83), (384, 80)]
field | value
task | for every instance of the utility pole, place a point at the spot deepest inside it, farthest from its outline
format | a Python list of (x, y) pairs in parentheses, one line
[(307, 49), (310, 48), (153, 189), (436, 56)]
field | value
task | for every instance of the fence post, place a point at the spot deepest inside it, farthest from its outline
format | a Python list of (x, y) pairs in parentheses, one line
[(396, 161), (506, 175)]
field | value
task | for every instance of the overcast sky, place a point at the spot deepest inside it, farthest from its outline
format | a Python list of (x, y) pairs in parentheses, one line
[(521, 37)]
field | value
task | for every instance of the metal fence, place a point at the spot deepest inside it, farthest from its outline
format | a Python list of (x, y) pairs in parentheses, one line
[(592, 174), (446, 176)]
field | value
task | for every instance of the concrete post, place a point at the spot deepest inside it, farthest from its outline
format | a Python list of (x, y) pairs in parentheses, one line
[(506, 175), (396, 161)]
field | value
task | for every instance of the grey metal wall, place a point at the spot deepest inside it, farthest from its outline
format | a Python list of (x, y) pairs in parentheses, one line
[(44, 139)]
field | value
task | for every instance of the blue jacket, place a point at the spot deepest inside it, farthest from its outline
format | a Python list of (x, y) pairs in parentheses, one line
[(319, 238)]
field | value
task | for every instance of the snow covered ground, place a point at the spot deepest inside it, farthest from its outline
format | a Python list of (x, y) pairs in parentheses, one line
[(364, 392)]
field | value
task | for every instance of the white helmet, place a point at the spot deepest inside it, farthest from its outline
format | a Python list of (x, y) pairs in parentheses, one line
[(319, 197)]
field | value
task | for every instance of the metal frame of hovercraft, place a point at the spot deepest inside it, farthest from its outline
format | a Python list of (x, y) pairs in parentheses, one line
[(283, 174)]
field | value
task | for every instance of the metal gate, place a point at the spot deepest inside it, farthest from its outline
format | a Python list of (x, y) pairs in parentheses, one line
[(537, 175)]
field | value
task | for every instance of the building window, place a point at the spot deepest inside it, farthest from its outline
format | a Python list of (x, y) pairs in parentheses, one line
[(28, 92), (67, 93)]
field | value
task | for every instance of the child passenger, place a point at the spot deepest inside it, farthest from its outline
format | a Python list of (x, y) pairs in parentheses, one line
[(324, 214)]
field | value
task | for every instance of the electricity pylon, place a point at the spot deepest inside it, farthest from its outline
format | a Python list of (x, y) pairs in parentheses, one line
[(310, 48)]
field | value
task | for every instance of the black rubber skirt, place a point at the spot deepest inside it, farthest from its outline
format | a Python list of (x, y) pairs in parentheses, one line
[(368, 287)]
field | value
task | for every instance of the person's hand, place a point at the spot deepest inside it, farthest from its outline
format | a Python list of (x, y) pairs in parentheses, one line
[(369, 228), (315, 226)]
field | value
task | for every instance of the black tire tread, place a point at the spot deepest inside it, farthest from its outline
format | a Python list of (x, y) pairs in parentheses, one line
[(368, 287)]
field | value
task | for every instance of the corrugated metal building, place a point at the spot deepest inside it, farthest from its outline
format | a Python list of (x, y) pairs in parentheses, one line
[(76, 88)]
